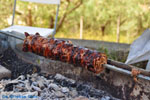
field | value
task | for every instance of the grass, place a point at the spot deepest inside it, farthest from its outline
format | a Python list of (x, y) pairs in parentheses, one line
[(114, 55), (89, 35)]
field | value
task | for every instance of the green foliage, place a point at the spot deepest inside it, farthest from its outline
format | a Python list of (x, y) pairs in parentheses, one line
[(114, 55), (5, 11), (97, 14)]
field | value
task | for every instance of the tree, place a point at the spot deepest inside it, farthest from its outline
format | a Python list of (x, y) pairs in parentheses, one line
[(101, 18), (6, 7)]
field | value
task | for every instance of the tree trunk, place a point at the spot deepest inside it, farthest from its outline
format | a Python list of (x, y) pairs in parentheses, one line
[(67, 12), (61, 22), (103, 30), (29, 18), (81, 27), (51, 22), (103, 27), (118, 29)]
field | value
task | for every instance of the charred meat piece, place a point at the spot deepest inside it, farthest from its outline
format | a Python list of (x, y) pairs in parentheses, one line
[(64, 51)]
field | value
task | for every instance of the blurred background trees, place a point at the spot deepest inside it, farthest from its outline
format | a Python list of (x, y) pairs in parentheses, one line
[(115, 20)]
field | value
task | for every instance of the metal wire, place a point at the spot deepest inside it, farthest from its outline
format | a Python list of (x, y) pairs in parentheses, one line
[(14, 9), (56, 21)]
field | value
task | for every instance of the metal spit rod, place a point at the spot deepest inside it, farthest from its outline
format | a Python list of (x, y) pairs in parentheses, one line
[(111, 67), (114, 68)]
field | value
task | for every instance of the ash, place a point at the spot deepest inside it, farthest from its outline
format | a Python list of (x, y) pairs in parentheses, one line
[(53, 87)]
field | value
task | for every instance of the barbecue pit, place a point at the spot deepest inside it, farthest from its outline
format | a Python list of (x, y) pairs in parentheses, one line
[(117, 84)]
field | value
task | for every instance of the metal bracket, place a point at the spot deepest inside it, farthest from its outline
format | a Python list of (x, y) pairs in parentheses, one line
[(148, 65)]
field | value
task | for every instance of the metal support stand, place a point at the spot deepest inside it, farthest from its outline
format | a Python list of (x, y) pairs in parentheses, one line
[(14, 9), (56, 21), (148, 65)]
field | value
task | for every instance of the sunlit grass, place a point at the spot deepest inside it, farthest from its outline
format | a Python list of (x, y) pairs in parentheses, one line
[(87, 35)]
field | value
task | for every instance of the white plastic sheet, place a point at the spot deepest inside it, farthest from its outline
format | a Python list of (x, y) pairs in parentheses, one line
[(44, 1), (140, 49)]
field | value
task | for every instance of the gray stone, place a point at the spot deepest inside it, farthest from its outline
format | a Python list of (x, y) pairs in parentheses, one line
[(21, 77), (94, 99), (27, 85), (35, 83), (59, 76), (54, 86), (1, 86), (35, 75), (105, 98), (80, 98), (28, 76), (21, 85), (40, 84), (19, 88), (35, 88), (59, 94), (33, 79), (64, 89), (49, 81), (73, 93), (4, 72)]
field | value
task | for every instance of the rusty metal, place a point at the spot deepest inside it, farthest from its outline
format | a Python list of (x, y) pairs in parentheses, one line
[(123, 71), (128, 67)]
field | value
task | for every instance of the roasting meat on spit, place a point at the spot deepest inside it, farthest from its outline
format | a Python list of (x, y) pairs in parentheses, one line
[(64, 51)]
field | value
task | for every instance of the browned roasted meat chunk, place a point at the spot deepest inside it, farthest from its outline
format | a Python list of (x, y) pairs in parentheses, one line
[(64, 51)]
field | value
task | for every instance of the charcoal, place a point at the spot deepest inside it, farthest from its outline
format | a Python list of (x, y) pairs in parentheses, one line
[(55, 89)]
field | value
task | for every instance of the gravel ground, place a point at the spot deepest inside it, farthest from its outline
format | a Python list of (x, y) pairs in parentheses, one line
[(27, 78)]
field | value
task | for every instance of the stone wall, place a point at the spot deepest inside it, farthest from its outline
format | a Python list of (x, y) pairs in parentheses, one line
[(94, 44)]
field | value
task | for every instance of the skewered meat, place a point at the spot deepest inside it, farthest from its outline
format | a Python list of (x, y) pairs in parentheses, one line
[(64, 51)]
